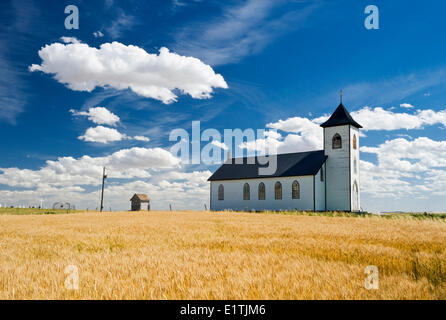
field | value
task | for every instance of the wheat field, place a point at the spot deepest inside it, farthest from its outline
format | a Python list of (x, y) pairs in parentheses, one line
[(203, 255)]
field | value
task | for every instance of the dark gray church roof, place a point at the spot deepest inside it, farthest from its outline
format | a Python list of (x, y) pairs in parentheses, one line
[(340, 117), (288, 165)]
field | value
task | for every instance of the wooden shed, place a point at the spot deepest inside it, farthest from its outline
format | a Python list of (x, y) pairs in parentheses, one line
[(138, 199)]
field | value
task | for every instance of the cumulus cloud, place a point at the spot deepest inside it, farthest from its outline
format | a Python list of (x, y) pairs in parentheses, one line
[(306, 134), (381, 119), (154, 171), (102, 135), (69, 171), (410, 156), (115, 65), (406, 105), (98, 115), (190, 192), (405, 168), (303, 135), (105, 135)]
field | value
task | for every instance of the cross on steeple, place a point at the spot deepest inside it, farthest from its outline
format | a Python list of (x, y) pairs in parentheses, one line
[(340, 95)]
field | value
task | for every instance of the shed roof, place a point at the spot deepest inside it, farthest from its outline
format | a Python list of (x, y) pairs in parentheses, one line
[(142, 197), (288, 165)]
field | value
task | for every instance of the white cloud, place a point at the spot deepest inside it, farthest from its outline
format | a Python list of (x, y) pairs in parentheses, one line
[(102, 135), (405, 168), (306, 134), (122, 67), (416, 155), (84, 171), (154, 171), (105, 135), (141, 138), (381, 119), (406, 105), (430, 117), (69, 40), (98, 34), (98, 115), (188, 192)]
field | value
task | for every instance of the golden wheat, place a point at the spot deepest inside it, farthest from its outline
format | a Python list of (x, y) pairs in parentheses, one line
[(202, 255)]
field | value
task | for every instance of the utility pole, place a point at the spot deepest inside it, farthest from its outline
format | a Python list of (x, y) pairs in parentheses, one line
[(104, 176)]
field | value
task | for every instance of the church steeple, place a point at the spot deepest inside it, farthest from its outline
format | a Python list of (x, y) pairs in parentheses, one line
[(341, 146), (340, 117)]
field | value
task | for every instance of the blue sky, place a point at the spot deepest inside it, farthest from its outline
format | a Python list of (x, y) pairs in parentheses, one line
[(280, 60)]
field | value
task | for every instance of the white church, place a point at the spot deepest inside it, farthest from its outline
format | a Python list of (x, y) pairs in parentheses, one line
[(322, 180)]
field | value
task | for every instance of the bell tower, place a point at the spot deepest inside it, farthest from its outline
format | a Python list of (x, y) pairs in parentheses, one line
[(341, 145)]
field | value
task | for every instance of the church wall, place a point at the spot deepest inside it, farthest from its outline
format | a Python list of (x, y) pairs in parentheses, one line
[(320, 190), (338, 169), (233, 195), (356, 205)]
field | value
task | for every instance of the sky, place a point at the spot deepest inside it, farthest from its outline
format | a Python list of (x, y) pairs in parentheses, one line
[(110, 93)]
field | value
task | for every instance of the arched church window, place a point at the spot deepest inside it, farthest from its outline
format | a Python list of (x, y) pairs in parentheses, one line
[(355, 165), (278, 190), (354, 141), (221, 192), (337, 141), (261, 191), (356, 197), (246, 191), (322, 174), (295, 190)]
